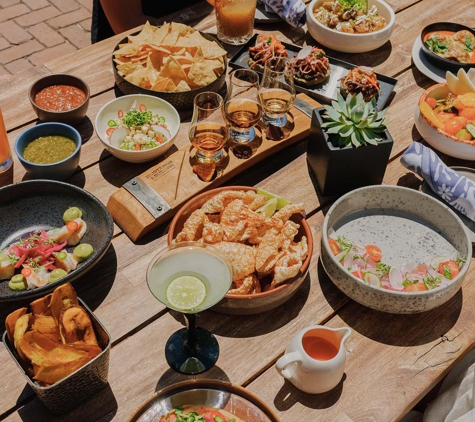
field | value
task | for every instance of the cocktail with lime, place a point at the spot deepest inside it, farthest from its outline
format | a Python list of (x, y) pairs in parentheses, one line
[(190, 277)]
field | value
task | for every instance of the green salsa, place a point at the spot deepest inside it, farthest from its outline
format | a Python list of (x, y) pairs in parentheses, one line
[(49, 149)]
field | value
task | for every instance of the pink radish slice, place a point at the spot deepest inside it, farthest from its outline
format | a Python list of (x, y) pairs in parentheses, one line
[(118, 136), (410, 266), (162, 130), (395, 278)]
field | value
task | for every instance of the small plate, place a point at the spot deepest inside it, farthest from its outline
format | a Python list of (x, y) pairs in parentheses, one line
[(424, 65), (221, 395), (40, 204), (470, 174), (262, 16), (327, 90)]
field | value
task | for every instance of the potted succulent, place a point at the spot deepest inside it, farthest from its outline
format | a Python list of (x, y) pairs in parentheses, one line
[(349, 145)]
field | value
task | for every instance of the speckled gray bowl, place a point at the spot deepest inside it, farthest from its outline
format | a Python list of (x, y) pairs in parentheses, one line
[(428, 218), (40, 204)]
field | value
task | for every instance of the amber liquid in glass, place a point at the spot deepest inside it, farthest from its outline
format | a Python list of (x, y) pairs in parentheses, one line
[(5, 153), (208, 137), (241, 113), (319, 348)]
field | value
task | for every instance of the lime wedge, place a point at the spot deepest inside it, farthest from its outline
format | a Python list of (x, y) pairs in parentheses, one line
[(186, 292), (281, 202), (268, 209)]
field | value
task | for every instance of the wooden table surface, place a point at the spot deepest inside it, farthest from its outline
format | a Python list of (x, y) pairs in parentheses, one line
[(392, 360)]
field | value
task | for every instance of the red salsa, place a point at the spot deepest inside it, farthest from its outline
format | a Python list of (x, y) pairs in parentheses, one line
[(60, 98)]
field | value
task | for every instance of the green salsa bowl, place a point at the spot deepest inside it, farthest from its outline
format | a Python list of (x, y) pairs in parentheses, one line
[(58, 170)]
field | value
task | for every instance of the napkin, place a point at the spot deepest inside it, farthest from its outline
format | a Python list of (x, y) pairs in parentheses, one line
[(455, 189), (292, 11)]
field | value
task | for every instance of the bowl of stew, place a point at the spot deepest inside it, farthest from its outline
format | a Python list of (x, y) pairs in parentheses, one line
[(60, 98), (49, 150)]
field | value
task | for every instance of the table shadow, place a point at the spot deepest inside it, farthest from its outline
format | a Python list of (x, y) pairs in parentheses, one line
[(252, 325), (394, 329), (289, 395), (171, 377)]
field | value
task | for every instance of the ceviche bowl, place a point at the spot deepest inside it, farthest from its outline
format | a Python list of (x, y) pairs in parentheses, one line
[(386, 247), (71, 116), (247, 304), (117, 119), (60, 170), (437, 137), (351, 42)]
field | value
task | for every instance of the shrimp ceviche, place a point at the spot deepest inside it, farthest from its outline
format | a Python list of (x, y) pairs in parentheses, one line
[(138, 129), (350, 16), (365, 262), (41, 257)]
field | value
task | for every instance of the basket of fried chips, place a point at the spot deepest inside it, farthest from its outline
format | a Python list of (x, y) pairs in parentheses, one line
[(61, 347), (174, 62), (270, 254)]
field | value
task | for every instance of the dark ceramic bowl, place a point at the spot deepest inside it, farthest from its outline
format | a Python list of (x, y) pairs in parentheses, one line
[(251, 303), (55, 171), (40, 204), (70, 117), (82, 383), (180, 100), (438, 61)]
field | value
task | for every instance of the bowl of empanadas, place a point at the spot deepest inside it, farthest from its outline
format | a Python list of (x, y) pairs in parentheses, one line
[(267, 240)]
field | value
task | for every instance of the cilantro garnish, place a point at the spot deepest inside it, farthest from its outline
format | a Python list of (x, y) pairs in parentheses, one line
[(447, 273), (137, 118), (468, 44), (461, 260), (436, 46), (383, 269), (344, 243), (408, 282), (353, 4), (431, 282)]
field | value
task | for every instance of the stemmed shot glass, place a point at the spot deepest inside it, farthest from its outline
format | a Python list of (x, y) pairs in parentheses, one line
[(277, 91), (208, 128), (190, 277), (241, 107)]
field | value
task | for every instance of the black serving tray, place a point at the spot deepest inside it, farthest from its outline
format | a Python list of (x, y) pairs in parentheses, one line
[(328, 89)]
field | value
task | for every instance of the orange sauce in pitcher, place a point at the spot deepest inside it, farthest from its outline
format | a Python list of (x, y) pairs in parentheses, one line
[(318, 348)]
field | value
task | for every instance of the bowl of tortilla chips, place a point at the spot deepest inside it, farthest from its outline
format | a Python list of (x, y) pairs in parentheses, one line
[(270, 256), (174, 62)]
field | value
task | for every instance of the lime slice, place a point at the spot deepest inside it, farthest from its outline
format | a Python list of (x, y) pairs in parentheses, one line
[(186, 292), (268, 209), (281, 202)]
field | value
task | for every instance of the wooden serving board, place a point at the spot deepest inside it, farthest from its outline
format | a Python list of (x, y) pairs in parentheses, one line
[(175, 182)]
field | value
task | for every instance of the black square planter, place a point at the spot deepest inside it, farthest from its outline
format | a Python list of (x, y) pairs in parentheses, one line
[(339, 170)]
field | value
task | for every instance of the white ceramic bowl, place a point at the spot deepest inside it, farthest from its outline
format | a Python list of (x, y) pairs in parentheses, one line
[(157, 105), (437, 138), (426, 219), (346, 42)]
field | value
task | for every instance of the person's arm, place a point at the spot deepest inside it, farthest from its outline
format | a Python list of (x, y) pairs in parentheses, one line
[(124, 14)]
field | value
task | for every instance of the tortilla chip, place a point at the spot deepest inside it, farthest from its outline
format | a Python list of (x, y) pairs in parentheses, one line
[(160, 84), (170, 86), (170, 40), (211, 50), (180, 28), (172, 69), (182, 87), (128, 68), (138, 77)]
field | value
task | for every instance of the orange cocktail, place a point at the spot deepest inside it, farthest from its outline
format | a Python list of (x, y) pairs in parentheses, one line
[(5, 153), (235, 20)]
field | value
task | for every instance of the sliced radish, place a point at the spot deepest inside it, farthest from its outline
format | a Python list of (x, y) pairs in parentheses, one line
[(409, 267), (395, 278), (162, 130), (118, 136), (372, 279)]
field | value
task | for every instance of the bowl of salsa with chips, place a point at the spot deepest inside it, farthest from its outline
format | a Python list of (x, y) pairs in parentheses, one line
[(60, 98), (174, 62)]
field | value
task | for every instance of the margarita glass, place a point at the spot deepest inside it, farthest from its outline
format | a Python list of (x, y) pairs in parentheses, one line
[(190, 277)]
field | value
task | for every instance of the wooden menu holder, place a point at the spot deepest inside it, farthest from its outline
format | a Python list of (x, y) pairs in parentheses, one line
[(175, 182)]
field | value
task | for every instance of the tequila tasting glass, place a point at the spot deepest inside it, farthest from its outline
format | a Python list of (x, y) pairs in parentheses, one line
[(190, 277), (277, 91), (208, 128), (241, 108), (5, 153)]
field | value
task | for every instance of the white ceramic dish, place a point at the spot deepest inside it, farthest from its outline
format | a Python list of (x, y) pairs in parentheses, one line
[(425, 66), (351, 43), (443, 142), (407, 225), (156, 105)]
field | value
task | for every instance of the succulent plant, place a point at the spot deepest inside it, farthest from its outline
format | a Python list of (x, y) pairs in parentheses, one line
[(353, 121)]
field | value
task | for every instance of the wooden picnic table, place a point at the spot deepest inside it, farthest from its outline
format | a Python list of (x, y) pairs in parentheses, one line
[(392, 360)]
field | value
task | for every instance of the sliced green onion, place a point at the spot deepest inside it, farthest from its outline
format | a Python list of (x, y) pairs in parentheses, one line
[(112, 123)]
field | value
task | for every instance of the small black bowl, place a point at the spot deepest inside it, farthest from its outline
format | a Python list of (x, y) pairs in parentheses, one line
[(180, 100), (438, 61), (71, 117)]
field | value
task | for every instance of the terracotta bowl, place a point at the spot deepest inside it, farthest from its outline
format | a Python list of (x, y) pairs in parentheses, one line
[(437, 138), (259, 302), (70, 117)]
